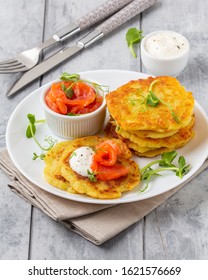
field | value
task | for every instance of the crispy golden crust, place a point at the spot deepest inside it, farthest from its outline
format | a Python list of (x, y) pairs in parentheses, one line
[(148, 147), (52, 171), (104, 189), (182, 136), (127, 105), (59, 157), (146, 133), (158, 151)]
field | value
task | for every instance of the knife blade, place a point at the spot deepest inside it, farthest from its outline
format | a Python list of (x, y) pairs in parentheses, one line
[(125, 14), (42, 68), (53, 61), (29, 58)]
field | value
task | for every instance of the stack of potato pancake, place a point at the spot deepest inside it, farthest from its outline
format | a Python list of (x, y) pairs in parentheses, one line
[(152, 115)]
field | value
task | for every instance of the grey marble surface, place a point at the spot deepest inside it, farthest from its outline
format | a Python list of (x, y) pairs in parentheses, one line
[(178, 229)]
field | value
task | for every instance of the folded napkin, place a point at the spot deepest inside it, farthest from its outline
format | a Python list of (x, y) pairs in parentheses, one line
[(97, 223)]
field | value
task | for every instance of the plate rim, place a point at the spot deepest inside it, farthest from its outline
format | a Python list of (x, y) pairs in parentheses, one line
[(78, 198)]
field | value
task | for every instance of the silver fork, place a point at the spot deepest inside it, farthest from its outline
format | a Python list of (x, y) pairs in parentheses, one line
[(29, 58)]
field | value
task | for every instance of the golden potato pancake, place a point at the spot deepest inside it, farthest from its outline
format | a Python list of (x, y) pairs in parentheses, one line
[(148, 147), (52, 172), (152, 134), (99, 189), (179, 138), (146, 133), (157, 151), (127, 105), (59, 174)]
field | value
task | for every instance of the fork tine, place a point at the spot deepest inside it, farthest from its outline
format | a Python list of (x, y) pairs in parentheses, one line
[(16, 66), (8, 71), (10, 65), (8, 61)]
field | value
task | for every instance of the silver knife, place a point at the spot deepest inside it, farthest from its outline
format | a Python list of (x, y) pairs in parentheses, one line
[(29, 58), (125, 14)]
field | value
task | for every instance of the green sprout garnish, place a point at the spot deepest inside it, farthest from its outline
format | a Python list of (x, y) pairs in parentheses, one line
[(69, 77), (91, 176), (73, 155), (153, 100), (68, 91), (72, 114), (74, 78), (133, 37), (30, 133), (165, 163)]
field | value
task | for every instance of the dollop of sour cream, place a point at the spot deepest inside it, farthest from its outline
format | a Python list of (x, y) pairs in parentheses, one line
[(81, 159), (166, 44)]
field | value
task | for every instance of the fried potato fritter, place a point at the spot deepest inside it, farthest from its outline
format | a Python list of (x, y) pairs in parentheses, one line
[(151, 129), (59, 173), (127, 105), (181, 137), (52, 169)]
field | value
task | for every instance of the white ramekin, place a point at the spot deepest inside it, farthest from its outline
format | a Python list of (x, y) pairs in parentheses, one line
[(164, 66), (70, 127)]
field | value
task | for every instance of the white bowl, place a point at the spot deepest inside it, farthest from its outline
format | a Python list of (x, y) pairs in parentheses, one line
[(164, 65), (70, 127)]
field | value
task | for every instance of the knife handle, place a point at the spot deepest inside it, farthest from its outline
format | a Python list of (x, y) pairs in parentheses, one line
[(100, 13), (127, 13), (130, 11)]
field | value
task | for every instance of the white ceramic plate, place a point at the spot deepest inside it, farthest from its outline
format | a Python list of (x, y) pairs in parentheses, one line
[(21, 148)]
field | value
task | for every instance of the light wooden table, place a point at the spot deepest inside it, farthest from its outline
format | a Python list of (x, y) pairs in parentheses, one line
[(178, 229)]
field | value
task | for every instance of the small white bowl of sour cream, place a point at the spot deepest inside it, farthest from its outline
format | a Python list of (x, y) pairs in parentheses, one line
[(165, 53)]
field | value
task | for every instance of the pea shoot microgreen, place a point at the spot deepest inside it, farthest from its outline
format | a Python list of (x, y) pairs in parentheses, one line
[(141, 100), (153, 100), (91, 175), (72, 114), (30, 133), (73, 155), (164, 164), (74, 78), (133, 37), (68, 91), (69, 77)]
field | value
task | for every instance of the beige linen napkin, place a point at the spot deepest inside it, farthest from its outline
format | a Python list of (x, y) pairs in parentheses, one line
[(97, 223)]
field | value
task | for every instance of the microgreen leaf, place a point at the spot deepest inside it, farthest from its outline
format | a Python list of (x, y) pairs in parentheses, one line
[(31, 129), (165, 164), (183, 168), (133, 37), (30, 133), (31, 118), (69, 92), (153, 100), (73, 155), (63, 87), (69, 77), (167, 159), (35, 156), (72, 114), (91, 176), (99, 89)]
